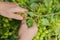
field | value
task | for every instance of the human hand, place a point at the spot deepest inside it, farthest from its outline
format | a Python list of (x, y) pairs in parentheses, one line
[(26, 33), (7, 9)]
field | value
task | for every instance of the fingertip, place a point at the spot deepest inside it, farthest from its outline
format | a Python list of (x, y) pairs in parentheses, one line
[(36, 29), (19, 18), (35, 26), (23, 9), (23, 21)]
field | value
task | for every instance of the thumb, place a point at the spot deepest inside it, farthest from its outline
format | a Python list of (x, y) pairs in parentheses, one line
[(11, 15), (23, 27), (33, 30)]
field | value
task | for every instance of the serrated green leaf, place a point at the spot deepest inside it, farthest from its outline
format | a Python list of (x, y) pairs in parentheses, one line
[(29, 23), (45, 21), (31, 14)]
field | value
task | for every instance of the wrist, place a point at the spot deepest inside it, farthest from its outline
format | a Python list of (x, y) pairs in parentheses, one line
[(24, 38)]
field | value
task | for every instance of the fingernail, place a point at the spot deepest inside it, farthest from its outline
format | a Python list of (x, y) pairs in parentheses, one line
[(20, 18)]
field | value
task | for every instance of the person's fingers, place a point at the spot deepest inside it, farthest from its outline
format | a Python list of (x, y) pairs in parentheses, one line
[(23, 10), (23, 27), (34, 25), (11, 15), (30, 31), (18, 9), (33, 30)]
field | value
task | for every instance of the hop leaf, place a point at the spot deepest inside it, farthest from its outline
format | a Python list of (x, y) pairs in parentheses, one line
[(31, 14), (29, 23), (45, 21)]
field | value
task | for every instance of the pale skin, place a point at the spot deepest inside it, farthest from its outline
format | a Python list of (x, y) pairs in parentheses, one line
[(7, 9)]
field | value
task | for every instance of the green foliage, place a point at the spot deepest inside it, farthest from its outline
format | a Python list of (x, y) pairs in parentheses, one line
[(29, 23), (46, 14)]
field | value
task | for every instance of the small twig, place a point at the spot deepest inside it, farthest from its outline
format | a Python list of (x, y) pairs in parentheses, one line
[(43, 15), (47, 14), (51, 14)]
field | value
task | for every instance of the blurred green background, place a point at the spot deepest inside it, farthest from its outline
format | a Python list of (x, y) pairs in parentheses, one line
[(46, 14)]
